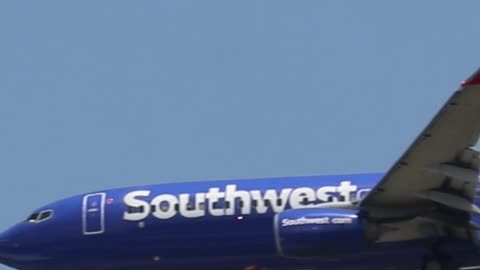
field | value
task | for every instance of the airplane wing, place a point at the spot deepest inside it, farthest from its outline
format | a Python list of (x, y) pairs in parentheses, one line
[(435, 179)]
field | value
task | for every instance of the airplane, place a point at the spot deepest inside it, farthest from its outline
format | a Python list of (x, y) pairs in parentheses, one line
[(423, 213)]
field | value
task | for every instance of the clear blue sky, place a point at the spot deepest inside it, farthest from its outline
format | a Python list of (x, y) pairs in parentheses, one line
[(104, 94)]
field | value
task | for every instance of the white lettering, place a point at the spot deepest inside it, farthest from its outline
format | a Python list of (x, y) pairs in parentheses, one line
[(302, 197), (304, 221), (260, 203), (229, 201), (131, 200), (189, 209), (345, 189), (232, 196), (213, 196), (277, 202), (324, 194), (316, 221), (345, 220), (165, 212)]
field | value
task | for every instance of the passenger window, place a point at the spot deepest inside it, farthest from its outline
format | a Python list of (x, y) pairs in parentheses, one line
[(165, 206), (305, 201), (190, 206), (221, 205), (279, 202), (131, 209)]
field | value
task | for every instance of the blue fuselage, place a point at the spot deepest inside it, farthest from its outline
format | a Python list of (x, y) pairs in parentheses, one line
[(196, 225)]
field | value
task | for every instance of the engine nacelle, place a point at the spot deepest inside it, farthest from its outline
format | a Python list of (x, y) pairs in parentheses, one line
[(314, 232)]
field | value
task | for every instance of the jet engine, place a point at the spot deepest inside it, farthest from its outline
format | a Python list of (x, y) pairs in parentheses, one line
[(314, 232)]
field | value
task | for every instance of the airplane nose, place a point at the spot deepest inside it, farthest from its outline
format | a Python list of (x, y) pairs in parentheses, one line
[(15, 250), (7, 247), (7, 251), (4, 247)]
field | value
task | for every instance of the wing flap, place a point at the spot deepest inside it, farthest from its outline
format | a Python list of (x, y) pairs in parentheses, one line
[(447, 140)]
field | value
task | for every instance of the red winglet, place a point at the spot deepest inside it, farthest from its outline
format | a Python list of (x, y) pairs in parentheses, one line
[(474, 79)]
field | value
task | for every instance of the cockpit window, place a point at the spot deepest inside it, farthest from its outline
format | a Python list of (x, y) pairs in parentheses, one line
[(44, 215), (41, 216), (33, 217)]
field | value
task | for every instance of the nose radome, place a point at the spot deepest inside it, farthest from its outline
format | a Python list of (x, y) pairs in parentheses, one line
[(5, 245), (8, 254), (8, 246)]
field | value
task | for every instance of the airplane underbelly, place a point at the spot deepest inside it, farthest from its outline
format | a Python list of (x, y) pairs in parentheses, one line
[(225, 243)]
